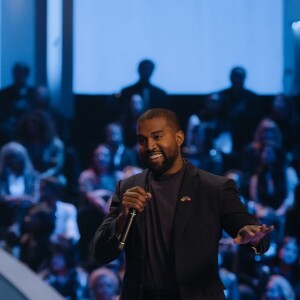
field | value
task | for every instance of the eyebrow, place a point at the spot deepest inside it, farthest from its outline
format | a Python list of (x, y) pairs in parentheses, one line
[(155, 132), (152, 133)]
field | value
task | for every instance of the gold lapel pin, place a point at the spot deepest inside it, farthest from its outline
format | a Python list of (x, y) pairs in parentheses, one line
[(185, 199)]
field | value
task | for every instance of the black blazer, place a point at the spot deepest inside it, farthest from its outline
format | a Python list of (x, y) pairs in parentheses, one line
[(214, 206)]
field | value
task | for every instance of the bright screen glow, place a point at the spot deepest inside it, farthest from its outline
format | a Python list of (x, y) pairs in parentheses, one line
[(193, 44)]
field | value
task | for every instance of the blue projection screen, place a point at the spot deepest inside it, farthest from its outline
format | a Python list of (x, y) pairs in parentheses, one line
[(193, 43)]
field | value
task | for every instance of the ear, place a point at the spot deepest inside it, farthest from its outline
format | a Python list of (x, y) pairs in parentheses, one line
[(179, 138)]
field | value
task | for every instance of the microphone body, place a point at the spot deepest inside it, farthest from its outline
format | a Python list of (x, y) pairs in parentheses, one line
[(129, 221)]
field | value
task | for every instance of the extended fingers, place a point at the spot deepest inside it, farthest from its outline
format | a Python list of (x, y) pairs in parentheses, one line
[(264, 229), (252, 233)]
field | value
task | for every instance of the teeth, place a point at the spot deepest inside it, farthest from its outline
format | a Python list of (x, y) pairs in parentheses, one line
[(154, 156)]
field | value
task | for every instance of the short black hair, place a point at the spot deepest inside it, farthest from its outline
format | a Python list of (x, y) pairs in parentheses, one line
[(166, 114)]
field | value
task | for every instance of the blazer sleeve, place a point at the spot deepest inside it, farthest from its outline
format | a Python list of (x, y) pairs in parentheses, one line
[(105, 242), (234, 215)]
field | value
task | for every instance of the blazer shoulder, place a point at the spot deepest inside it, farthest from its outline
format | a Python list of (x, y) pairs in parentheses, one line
[(135, 180), (213, 180)]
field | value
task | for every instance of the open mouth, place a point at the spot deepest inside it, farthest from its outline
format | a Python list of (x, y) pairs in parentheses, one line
[(156, 156)]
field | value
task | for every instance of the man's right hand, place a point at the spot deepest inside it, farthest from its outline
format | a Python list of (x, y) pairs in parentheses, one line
[(135, 197)]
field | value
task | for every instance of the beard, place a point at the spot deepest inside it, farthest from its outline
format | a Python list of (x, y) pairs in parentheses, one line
[(162, 167)]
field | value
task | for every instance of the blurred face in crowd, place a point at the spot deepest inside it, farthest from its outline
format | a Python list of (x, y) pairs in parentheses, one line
[(212, 104), (15, 162), (58, 261), (268, 155), (136, 104), (104, 288), (102, 158), (280, 106), (273, 292), (288, 253), (114, 135), (159, 146), (268, 134)]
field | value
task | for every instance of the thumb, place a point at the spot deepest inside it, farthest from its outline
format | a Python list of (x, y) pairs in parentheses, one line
[(238, 240)]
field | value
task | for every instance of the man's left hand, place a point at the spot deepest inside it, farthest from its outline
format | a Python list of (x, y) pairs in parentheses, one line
[(252, 234)]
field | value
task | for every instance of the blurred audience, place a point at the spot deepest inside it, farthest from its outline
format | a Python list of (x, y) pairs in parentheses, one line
[(121, 154), (50, 207), (283, 113), (267, 132), (96, 185), (66, 230), (36, 132), (19, 185), (60, 271), (278, 288), (286, 262), (292, 220), (42, 101), (152, 95), (239, 108), (15, 100), (202, 151), (129, 117), (104, 284), (272, 188), (228, 278), (37, 228), (216, 136)]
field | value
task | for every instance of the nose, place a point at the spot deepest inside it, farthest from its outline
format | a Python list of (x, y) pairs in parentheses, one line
[(151, 144)]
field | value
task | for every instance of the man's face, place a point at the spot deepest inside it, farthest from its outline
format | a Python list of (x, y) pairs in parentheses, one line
[(159, 146)]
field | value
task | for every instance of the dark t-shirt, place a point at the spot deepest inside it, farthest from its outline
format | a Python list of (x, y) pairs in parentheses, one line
[(160, 272)]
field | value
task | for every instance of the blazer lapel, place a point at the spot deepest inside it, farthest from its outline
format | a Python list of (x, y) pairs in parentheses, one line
[(185, 201)]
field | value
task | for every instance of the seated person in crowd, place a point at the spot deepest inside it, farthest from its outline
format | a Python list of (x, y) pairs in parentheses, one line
[(61, 272), (36, 132), (129, 117), (210, 117), (201, 150), (278, 288), (267, 132), (96, 185), (66, 230), (19, 187), (282, 112), (286, 262), (36, 230), (121, 154), (104, 284), (272, 187)]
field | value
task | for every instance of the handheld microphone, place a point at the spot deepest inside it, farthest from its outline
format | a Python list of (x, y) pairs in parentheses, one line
[(130, 218)]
